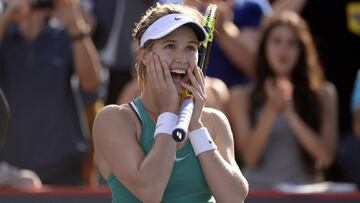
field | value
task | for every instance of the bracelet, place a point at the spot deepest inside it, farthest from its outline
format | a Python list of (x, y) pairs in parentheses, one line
[(84, 30), (165, 124), (201, 141)]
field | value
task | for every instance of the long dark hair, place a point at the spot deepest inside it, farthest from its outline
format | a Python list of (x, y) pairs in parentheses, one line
[(307, 76)]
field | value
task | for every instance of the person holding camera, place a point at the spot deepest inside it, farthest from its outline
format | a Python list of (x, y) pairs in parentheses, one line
[(49, 70)]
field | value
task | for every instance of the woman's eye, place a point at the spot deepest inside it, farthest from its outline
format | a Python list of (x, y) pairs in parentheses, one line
[(170, 46), (293, 43), (191, 48)]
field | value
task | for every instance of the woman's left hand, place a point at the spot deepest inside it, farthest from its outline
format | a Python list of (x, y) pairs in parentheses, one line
[(197, 88)]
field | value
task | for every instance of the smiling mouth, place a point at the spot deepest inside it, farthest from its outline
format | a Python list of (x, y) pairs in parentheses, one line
[(178, 74)]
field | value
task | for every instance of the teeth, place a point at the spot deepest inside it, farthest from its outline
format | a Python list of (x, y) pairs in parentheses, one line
[(178, 71)]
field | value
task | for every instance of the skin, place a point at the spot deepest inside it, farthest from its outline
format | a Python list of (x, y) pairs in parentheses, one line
[(117, 130), (238, 45), (217, 93), (282, 52), (31, 22)]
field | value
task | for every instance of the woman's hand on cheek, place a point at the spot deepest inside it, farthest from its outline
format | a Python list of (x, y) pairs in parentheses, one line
[(161, 84), (197, 88)]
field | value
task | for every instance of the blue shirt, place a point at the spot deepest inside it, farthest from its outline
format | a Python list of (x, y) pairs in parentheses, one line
[(247, 14), (47, 133)]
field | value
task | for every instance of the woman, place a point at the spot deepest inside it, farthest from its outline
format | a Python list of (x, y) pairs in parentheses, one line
[(142, 162), (285, 125)]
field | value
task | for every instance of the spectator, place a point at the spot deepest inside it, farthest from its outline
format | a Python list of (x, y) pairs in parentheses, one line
[(112, 37), (285, 125), (49, 71), (337, 37), (234, 48), (149, 165)]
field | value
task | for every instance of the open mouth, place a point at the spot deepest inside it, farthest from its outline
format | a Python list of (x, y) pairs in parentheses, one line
[(178, 74)]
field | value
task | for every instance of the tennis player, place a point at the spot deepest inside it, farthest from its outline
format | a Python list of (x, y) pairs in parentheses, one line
[(135, 151)]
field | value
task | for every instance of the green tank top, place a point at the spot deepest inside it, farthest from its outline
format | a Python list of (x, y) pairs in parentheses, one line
[(187, 182)]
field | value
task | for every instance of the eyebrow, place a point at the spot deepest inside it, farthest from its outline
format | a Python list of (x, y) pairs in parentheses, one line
[(174, 41)]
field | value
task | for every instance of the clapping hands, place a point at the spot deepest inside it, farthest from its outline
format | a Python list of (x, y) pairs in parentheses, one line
[(279, 92)]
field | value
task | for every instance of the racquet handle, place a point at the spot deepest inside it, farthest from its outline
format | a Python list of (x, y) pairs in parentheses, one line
[(180, 131)]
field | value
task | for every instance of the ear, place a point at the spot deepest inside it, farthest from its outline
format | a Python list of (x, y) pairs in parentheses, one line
[(143, 55)]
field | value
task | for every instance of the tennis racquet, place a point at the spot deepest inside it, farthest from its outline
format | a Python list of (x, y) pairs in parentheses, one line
[(180, 131)]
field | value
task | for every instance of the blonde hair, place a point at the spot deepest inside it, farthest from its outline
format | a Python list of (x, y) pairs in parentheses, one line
[(150, 16)]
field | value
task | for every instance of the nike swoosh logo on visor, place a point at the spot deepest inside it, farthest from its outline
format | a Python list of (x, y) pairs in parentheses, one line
[(177, 18)]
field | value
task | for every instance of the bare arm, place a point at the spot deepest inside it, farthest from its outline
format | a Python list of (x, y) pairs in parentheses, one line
[(320, 146), (15, 10), (86, 59), (219, 166), (250, 142), (87, 63), (217, 94), (239, 46), (146, 176)]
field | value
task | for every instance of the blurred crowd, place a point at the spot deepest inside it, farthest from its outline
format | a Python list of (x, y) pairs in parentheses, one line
[(285, 72)]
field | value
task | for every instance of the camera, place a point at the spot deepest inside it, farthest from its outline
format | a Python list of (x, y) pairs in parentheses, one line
[(49, 4)]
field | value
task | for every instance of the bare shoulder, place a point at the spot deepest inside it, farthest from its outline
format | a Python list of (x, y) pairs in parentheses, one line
[(216, 122), (328, 90), (241, 91), (111, 123), (213, 114), (112, 117), (240, 98), (216, 85), (113, 111), (217, 93), (328, 93)]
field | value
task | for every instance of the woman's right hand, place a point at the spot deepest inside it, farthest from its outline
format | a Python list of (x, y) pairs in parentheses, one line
[(161, 84)]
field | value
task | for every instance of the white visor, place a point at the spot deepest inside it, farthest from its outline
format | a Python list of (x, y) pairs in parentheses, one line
[(166, 24)]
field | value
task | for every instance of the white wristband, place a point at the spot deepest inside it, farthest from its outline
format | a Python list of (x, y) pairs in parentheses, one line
[(201, 141), (166, 123)]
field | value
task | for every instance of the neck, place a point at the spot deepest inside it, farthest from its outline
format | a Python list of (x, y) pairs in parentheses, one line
[(149, 104)]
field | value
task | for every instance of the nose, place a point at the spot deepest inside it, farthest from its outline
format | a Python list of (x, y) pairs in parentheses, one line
[(181, 57)]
